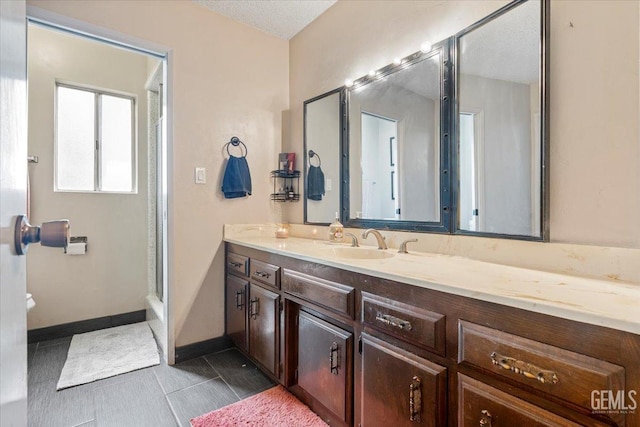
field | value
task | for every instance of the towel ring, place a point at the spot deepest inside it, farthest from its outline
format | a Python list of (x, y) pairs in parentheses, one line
[(313, 154), (235, 141)]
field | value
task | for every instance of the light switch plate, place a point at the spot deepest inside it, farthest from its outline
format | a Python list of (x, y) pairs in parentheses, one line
[(328, 184), (201, 175)]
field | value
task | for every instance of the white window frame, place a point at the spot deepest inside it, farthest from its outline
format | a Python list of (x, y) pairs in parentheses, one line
[(97, 175)]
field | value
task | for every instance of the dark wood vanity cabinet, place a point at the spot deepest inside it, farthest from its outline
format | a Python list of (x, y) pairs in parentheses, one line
[(252, 309), (264, 314), (325, 364), (236, 310), (398, 388), (364, 351)]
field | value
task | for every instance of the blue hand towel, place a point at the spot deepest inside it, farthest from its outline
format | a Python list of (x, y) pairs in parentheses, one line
[(315, 183), (237, 179)]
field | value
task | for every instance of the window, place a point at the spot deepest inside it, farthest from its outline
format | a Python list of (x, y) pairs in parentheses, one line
[(95, 143)]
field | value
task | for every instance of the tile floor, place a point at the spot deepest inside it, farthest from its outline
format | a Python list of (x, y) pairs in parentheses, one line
[(153, 397)]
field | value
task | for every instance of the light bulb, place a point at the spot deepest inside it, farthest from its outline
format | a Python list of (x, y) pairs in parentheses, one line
[(425, 47), (372, 73), (348, 83), (397, 61)]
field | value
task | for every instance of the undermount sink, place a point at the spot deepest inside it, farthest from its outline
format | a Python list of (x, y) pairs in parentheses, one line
[(360, 253)]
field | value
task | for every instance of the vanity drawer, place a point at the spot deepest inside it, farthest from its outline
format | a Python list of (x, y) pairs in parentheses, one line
[(406, 322), (482, 405), (558, 372), (268, 274), (334, 296), (237, 264)]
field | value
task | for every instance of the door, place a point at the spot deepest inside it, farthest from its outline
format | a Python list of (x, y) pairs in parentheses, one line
[(399, 388), (237, 310), (263, 331), (13, 200), (324, 361)]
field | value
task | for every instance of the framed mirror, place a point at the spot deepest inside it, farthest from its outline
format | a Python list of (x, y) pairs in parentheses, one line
[(396, 151), (502, 123), (322, 148)]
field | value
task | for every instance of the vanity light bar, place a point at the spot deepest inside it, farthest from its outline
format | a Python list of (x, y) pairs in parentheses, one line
[(398, 63)]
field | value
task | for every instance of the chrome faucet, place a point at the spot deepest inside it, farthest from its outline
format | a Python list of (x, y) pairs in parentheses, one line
[(354, 240), (381, 243), (403, 246)]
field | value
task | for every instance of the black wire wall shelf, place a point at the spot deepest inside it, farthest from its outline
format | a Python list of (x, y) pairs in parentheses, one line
[(286, 185)]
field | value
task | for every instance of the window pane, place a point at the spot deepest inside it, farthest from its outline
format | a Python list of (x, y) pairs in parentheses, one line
[(75, 139), (116, 139)]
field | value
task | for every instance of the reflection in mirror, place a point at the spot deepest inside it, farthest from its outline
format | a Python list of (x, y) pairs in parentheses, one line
[(322, 157), (394, 144), (499, 124)]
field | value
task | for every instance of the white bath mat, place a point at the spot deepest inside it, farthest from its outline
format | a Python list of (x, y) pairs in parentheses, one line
[(108, 352)]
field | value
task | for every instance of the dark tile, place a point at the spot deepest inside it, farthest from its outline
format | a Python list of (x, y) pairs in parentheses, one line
[(244, 378), (65, 408), (47, 363), (31, 351), (49, 343), (185, 374), (200, 399), (127, 376), (138, 402)]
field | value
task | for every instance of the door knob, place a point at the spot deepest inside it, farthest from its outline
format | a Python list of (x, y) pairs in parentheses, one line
[(54, 234)]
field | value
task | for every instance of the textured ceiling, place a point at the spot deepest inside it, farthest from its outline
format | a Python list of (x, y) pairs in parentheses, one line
[(282, 18)]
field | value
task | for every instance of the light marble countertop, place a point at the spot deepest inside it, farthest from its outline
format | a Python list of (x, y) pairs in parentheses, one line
[(598, 302)]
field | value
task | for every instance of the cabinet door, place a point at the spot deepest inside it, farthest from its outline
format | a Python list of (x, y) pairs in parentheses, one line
[(263, 326), (398, 388), (324, 363), (236, 310)]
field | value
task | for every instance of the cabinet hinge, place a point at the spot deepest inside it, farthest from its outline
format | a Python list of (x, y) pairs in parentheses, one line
[(360, 345), (295, 374)]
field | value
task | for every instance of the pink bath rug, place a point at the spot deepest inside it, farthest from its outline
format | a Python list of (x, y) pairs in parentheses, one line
[(275, 407)]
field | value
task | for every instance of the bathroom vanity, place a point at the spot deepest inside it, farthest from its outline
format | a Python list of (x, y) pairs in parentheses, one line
[(376, 338)]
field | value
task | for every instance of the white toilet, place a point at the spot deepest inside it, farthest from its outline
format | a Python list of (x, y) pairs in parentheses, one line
[(30, 302)]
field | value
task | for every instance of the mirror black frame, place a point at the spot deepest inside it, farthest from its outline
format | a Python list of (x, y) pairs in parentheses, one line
[(444, 48), (544, 125), (341, 91)]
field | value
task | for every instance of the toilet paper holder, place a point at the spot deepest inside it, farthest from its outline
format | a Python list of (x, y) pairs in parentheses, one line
[(54, 234)]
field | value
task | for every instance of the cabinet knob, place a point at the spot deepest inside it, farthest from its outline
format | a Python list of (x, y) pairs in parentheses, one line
[(239, 300), (254, 308), (529, 370), (485, 418), (415, 400), (333, 358)]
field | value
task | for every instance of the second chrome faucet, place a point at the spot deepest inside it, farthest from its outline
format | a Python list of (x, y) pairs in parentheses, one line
[(379, 237)]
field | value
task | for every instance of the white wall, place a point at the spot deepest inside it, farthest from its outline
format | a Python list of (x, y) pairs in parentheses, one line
[(112, 277), (228, 79), (595, 149)]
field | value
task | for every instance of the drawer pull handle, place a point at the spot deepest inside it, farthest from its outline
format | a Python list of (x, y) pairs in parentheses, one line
[(254, 308), (333, 359), (262, 274), (239, 300), (415, 400), (527, 369), (235, 264), (396, 322), (485, 418)]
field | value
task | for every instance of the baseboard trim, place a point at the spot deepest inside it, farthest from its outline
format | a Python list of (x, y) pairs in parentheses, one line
[(197, 349), (82, 326)]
